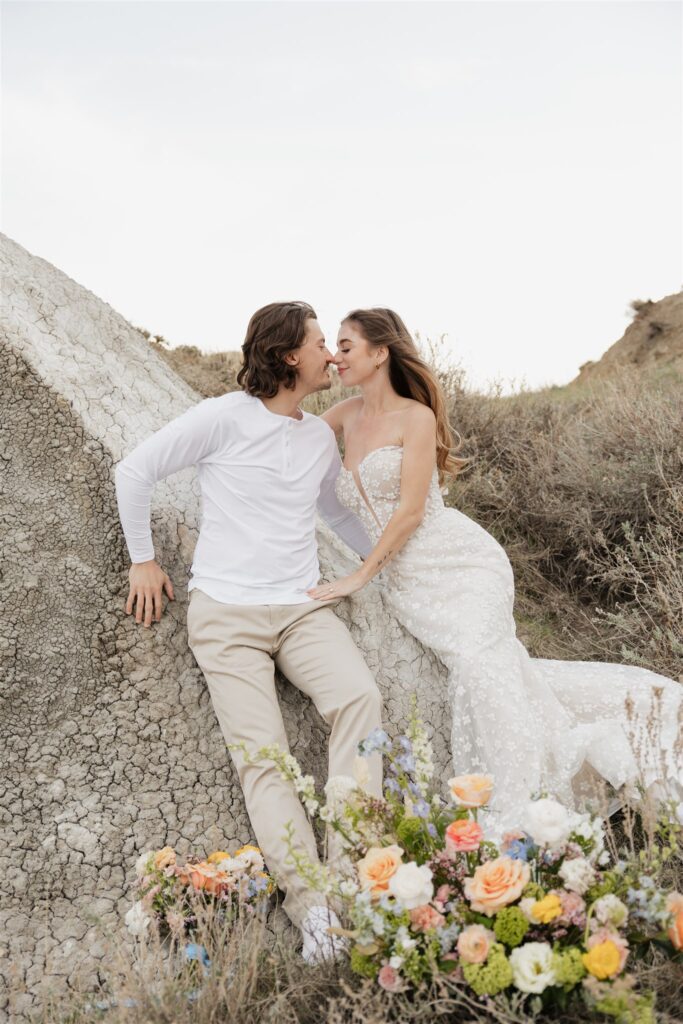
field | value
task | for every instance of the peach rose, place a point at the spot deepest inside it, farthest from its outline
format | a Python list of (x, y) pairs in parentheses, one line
[(471, 790), (425, 918), (674, 904), (474, 943), (377, 866), (463, 836), (496, 883), (162, 858)]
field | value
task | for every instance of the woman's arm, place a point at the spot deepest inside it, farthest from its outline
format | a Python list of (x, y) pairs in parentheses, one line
[(419, 459), (336, 414)]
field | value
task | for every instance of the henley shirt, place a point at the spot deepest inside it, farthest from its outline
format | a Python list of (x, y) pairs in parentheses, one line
[(261, 477)]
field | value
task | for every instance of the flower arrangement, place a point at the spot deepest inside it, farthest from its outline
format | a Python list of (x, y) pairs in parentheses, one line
[(168, 890), (547, 914)]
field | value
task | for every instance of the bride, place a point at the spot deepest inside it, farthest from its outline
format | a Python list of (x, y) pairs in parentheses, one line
[(534, 724)]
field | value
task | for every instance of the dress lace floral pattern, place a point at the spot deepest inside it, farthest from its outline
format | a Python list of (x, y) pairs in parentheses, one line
[(532, 723)]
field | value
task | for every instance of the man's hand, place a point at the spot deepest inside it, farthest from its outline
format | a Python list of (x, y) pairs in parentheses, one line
[(147, 581)]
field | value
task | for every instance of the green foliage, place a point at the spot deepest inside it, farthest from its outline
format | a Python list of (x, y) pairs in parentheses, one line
[(363, 965)]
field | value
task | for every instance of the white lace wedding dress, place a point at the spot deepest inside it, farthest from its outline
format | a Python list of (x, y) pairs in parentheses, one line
[(534, 724)]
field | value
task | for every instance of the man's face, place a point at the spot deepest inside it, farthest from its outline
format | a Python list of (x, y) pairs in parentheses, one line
[(312, 360)]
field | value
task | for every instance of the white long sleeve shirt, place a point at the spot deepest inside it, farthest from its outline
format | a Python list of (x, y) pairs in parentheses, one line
[(261, 477)]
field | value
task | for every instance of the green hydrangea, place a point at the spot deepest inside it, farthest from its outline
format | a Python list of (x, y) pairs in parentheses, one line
[(628, 1010), (416, 966), (510, 926), (568, 967), (409, 832), (363, 965), (490, 978), (534, 890)]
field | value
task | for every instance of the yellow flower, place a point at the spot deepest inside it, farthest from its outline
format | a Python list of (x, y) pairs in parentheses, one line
[(243, 849), (603, 960), (547, 909), (217, 856)]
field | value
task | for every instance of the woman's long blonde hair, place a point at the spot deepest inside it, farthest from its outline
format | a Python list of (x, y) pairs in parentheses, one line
[(411, 377)]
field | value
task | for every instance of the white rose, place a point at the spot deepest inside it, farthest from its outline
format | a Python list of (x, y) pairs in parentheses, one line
[(547, 822), (532, 967), (577, 874), (412, 885), (142, 863), (137, 920), (610, 910)]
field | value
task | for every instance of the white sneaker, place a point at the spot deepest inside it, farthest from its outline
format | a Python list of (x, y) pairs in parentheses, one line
[(318, 944)]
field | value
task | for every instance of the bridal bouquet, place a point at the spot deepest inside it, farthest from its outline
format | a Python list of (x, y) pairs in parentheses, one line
[(547, 912), (167, 890)]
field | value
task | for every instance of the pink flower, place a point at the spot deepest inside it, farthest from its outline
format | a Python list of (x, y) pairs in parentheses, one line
[(426, 917), (573, 909), (463, 836), (390, 980), (474, 943), (610, 935), (443, 893)]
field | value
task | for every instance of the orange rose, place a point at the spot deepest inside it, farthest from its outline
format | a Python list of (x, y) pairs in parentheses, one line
[(471, 790), (674, 904), (496, 883), (463, 836), (206, 877), (377, 867)]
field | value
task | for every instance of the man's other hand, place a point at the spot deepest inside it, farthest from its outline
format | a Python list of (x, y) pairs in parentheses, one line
[(147, 581)]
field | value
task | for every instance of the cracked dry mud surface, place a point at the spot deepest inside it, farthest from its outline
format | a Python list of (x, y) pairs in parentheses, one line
[(109, 741)]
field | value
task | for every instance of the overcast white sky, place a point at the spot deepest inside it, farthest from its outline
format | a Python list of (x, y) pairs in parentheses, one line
[(508, 173)]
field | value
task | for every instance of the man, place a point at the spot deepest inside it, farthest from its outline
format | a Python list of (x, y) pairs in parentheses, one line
[(263, 467)]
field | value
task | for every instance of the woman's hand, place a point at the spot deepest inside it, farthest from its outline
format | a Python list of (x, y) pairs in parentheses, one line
[(339, 588)]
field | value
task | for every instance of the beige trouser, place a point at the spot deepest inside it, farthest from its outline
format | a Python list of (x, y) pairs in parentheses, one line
[(237, 648)]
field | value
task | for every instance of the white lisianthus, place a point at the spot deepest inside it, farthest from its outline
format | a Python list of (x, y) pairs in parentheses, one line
[(137, 920), (577, 874), (547, 822), (610, 910), (361, 773), (396, 962), (532, 969), (412, 885), (143, 862), (247, 860)]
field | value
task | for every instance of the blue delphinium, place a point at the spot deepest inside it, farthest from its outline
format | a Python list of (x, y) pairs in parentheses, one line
[(377, 741)]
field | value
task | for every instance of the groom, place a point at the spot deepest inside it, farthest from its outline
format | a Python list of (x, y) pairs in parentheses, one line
[(263, 466)]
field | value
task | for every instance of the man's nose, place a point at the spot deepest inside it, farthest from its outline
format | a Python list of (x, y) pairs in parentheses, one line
[(329, 358), (336, 359)]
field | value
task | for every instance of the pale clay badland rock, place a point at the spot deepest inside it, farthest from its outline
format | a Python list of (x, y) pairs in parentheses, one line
[(110, 743)]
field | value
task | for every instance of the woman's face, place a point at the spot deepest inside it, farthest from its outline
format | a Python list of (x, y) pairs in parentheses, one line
[(355, 360)]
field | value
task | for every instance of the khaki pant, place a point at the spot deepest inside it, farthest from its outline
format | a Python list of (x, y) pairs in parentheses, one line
[(237, 648)]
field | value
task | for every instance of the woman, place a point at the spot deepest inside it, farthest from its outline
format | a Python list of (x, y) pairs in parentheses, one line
[(532, 723)]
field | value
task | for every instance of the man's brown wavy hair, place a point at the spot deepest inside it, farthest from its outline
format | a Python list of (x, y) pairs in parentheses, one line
[(273, 332)]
